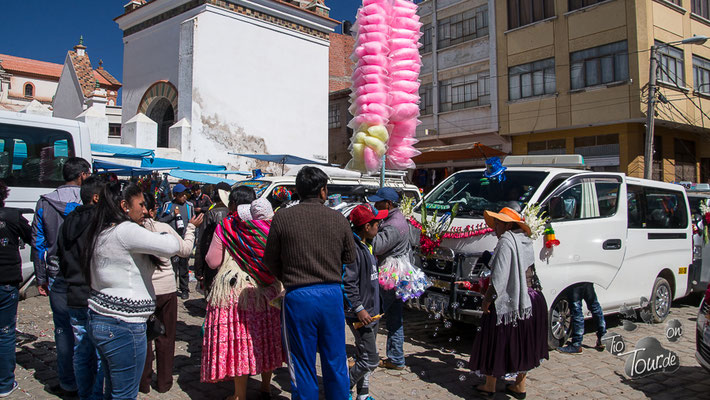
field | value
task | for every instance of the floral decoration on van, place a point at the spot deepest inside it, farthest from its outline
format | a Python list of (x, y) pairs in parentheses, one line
[(535, 219), (705, 210)]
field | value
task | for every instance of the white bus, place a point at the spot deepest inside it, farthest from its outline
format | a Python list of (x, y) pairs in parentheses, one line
[(630, 237), (33, 150)]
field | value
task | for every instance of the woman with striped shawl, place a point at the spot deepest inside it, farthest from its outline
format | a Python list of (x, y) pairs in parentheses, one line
[(242, 329)]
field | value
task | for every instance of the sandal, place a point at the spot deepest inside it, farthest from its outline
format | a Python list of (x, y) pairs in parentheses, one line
[(484, 393), (517, 395)]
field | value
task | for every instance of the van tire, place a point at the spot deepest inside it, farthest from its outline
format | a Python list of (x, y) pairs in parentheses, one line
[(559, 322), (661, 298)]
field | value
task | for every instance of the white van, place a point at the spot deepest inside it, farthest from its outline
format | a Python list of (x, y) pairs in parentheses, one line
[(33, 150), (631, 237), (352, 187)]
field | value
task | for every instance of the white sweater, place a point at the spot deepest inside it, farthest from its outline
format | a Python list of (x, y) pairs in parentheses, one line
[(164, 275), (121, 271)]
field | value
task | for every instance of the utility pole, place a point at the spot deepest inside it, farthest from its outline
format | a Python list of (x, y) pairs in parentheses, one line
[(648, 154)]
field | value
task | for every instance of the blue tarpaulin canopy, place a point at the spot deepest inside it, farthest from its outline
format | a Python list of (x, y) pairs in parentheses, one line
[(196, 177), (281, 158), (184, 165), (109, 150), (120, 169)]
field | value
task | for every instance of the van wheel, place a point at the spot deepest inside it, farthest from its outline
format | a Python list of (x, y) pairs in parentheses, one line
[(660, 300), (559, 322)]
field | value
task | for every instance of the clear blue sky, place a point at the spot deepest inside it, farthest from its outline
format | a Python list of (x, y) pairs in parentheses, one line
[(46, 29)]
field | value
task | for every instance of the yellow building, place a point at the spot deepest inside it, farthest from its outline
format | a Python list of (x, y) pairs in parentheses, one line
[(573, 77)]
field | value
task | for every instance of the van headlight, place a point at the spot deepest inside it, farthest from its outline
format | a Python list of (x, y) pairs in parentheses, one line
[(697, 252)]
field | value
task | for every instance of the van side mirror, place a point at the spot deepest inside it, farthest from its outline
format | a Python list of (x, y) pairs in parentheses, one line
[(556, 208)]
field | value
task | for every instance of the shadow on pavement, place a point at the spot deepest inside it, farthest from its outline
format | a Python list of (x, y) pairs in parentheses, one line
[(40, 357), (689, 382)]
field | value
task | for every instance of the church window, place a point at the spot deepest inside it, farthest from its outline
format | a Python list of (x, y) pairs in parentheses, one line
[(29, 90)]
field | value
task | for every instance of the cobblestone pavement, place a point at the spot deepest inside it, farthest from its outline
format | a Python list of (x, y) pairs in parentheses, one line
[(437, 354)]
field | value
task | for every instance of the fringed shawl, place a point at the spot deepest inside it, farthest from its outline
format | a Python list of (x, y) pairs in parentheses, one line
[(245, 241), (512, 257)]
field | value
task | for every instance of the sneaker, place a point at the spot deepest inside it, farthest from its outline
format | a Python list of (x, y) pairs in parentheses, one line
[(185, 295), (389, 365), (570, 349), (59, 391), (14, 387), (600, 346)]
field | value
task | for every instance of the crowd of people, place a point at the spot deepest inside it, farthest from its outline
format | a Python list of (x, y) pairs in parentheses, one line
[(280, 286)]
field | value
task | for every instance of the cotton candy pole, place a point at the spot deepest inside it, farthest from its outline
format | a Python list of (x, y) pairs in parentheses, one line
[(385, 85)]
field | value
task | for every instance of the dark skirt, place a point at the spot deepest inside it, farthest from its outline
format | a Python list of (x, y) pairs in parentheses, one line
[(499, 350)]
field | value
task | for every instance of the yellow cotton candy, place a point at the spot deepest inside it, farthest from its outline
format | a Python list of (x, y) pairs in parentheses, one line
[(379, 132), (376, 145), (358, 151), (360, 137)]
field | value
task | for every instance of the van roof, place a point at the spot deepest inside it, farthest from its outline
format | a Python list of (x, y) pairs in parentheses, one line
[(9, 116)]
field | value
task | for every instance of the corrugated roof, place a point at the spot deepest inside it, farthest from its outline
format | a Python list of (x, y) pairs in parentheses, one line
[(28, 66)]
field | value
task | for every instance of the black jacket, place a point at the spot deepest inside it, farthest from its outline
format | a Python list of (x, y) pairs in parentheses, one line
[(73, 239), (212, 219), (13, 228), (361, 285)]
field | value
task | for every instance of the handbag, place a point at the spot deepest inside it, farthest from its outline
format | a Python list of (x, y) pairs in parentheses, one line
[(154, 327)]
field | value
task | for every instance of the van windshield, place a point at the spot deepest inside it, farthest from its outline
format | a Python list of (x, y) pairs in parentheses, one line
[(475, 194)]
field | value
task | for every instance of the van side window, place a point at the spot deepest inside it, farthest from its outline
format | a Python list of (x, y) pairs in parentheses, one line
[(33, 157), (635, 204), (665, 209), (585, 200)]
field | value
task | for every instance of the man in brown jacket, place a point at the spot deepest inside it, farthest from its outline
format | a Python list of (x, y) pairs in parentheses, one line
[(308, 245)]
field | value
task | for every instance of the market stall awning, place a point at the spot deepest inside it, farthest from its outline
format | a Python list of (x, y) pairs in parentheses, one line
[(176, 164), (280, 158), (197, 177), (465, 151), (120, 169), (111, 150)]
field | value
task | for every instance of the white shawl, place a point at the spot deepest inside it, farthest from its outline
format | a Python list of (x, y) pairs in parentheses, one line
[(511, 258)]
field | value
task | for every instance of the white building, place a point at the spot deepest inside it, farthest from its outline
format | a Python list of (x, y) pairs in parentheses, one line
[(458, 97), (23, 80), (248, 77)]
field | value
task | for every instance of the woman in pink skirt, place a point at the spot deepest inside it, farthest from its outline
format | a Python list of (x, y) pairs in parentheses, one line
[(242, 328)]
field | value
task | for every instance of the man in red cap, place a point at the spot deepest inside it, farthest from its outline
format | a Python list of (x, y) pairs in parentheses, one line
[(362, 296)]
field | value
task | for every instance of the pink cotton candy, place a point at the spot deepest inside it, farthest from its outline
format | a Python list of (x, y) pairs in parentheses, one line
[(406, 23), (369, 119), (406, 128), (370, 79), (405, 75), (372, 19), (382, 3), (369, 69), (402, 141), (403, 12), (396, 44), (398, 163), (371, 48), (380, 98), (412, 65), (382, 28), (404, 111), (405, 86), (375, 108), (372, 162), (375, 60), (403, 97), (372, 37), (403, 151), (401, 3), (405, 54), (404, 34), (372, 9), (370, 88)]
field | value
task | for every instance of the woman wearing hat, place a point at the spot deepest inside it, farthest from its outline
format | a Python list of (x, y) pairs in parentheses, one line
[(513, 336)]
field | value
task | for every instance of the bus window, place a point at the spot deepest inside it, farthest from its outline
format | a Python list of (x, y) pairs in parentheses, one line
[(33, 157)]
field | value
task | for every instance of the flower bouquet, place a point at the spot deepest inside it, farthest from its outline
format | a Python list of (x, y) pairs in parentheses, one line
[(705, 211)]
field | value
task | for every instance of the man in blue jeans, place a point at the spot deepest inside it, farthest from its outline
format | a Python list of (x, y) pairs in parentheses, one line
[(51, 210), (71, 244), (577, 293), (394, 240)]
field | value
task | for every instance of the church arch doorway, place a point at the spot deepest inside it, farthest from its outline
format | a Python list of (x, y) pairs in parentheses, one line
[(159, 103)]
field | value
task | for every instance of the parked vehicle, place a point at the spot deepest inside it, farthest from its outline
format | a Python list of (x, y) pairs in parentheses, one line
[(631, 237), (351, 187), (33, 150), (702, 334), (699, 274)]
